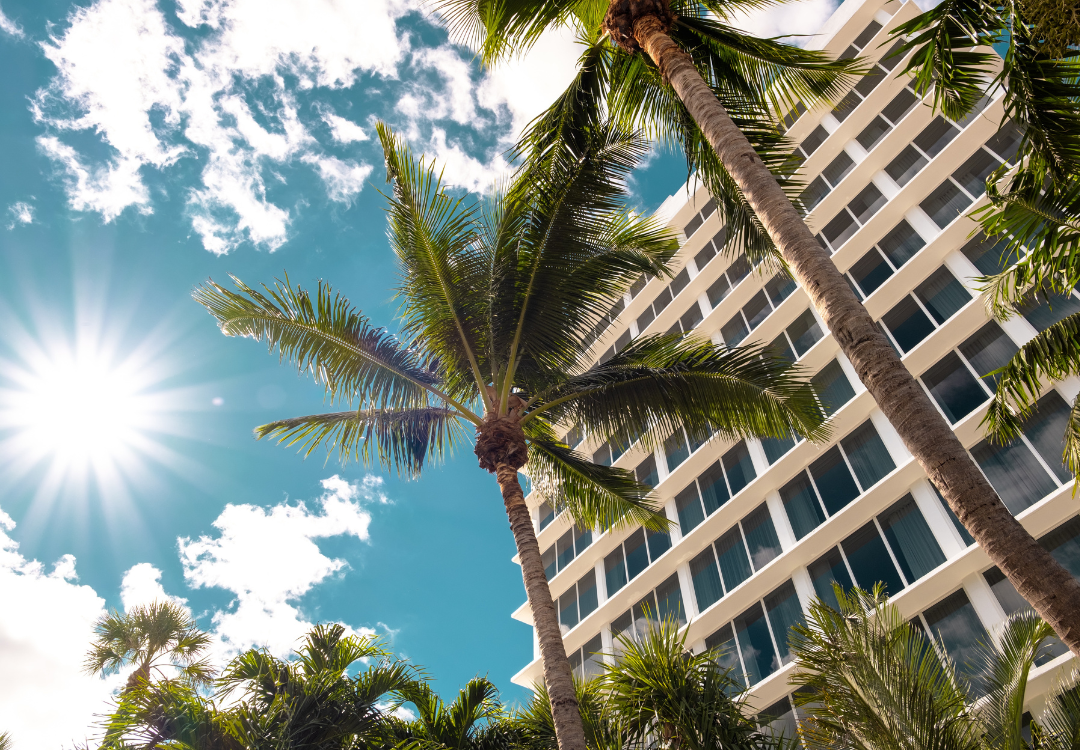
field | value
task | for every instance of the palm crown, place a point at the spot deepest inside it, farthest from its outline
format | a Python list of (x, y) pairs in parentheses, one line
[(497, 303)]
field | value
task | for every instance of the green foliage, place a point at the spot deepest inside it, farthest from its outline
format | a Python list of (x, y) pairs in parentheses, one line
[(475, 720)]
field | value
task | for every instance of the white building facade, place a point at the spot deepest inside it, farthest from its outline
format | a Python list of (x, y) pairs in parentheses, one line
[(762, 527)]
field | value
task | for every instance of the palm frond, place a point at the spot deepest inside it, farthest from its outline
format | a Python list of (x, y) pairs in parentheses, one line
[(1058, 728), (400, 439), (498, 29)]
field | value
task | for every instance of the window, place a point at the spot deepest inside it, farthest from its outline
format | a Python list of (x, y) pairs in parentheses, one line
[(853, 216), (1011, 601), (569, 546), (735, 330), (712, 247), (646, 472), (884, 259), (779, 288), (605, 320), (811, 142), (868, 82), (1042, 309), (936, 136), (578, 602), (637, 552), (802, 334), (957, 628), (840, 475), (755, 644), (956, 381), (546, 515), (946, 203), (987, 255), (587, 660), (932, 303), (714, 487), (906, 165), (1064, 544), (741, 551), (780, 721), (832, 387), (699, 218), (661, 604), (968, 183), (890, 116)]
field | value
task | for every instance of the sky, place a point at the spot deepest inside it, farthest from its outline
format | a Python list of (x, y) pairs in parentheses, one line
[(145, 147)]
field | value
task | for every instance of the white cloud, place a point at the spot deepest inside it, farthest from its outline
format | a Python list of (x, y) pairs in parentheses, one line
[(344, 131), (804, 17), (46, 623), (462, 169), (267, 558), (10, 27), (21, 213), (142, 585), (343, 179)]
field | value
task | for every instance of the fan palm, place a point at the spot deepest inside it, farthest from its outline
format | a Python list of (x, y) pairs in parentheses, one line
[(498, 302), (681, 72), (475, 720), (158, 636), (872, 680)]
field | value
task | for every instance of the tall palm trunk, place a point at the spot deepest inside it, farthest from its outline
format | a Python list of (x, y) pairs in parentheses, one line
[(502, 450), (1050, 589)]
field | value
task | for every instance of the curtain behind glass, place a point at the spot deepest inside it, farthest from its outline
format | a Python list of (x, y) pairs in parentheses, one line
[(1046, 431), (1015, 473), (802, 506), (707, 587), (942, 294), (911, 539), (868, 455), (784, 613)]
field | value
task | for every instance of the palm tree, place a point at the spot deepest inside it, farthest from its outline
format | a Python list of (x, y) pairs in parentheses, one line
[(534, 723), (497, 304), (872, 680), (159, 636), (475, 720), (170, 713), (679, 71)]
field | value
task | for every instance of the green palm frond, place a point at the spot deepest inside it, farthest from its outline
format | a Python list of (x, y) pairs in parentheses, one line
[(498, 29), (594, 495), (327, 337), (659, 384), (604, 729), (1053, 354), (399, 439), (327, 648), (1058, 728), (170, 714)]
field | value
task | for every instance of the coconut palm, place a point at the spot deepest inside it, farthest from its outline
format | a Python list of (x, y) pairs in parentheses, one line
[(699, 95), (604, 729), (475, 720), (170, 713), (871, 679), (498, 303), (159, 636)]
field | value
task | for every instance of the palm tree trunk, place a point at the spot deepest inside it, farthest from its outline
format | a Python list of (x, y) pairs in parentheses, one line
[(1045, 584), (557, 674)]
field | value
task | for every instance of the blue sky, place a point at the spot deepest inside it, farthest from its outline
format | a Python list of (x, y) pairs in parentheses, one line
[(145, 146)]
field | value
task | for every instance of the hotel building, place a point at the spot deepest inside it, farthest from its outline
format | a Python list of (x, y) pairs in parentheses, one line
[(762, 527)]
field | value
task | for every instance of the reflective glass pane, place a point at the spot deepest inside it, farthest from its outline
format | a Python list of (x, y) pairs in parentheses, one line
[(954, 388), (964, 533), (867, 34), (688, 506), (901, 104), (936, 136), (906, 165), (776, 447), (548, 559), (659, 542), (593, 651), (719, 289), (704, 255), (816, 138), (547, 515), (959, 629), (988, 255), (637, 555), (942, 294), (731, 553), (868, 455), (566, 549), (781, 348), (802, 506), (722, 644), (622, 627), (972, 174), (1006, 142), (739, 467), (840, 229), (867, 203), (834, 481), (691, 317), (988, 349), (946, 203), (873, 133), (1043, 310), (838, 168), (779, 288), (1046, 431), (735, 330), (615, 571), (827, 570), (778, 720), (785, 612), (603, 455), (908, 324), (647, 316), (761, 537), (645, 615), (1018, 477), (574, 658), (870, 272), (568, 615), (692, 225), (1064, 544), (814, 193), (1011, 601), (582, 539), (706, 577), (901, 244), (669, 601), (832, 387), (714, 490), (646, 472), (676, 450), (756, 310), (738, 270), (682, 278), (755, 643), (804, 333), (663, 299), (870, 562), (587, 597), (911, 540)]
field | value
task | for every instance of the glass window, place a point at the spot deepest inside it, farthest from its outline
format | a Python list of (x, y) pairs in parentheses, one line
[(738, 467), (647, 316), (682, 278), (587, 598), (832, 387), (615, 571), (761, 537), (867, 203), (738, 270), (582, 539), (1014, 472), (1064, 544), (637, 555), (755, 643), (547, 515), (719, 289), (706, 578), (688, 506), (911, 540), (870, 561), (946, 203), (594, 657), (659, 542), (988, 349), (646, 472), (827, 570), (816, 138), (834, 481), (779, 288), (936, 136), (1042, 310), (838, 169), (780, 348), (868, 455), (778, 720), (1006, 142), (602, 456), (1046, 431), (901, 244), (714, 491), (663, 299), (676, 450), (734, 330), (840, 229), (986, 255), (802, 506), (566, 549), (693, 225), (906, 165), (873, 133), (973, 173), (942, 294), (722, 644), (669, 604), (908, 324), (954, 388), (756, 310), (804, 332), (846, 106), (550, 564), (814, 193), (776, 447), (901, 104), (731, 554), (870, 272), (637, 286), (645, 615), (785, 612), (955, 624), (691, 317), (704, 255)]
